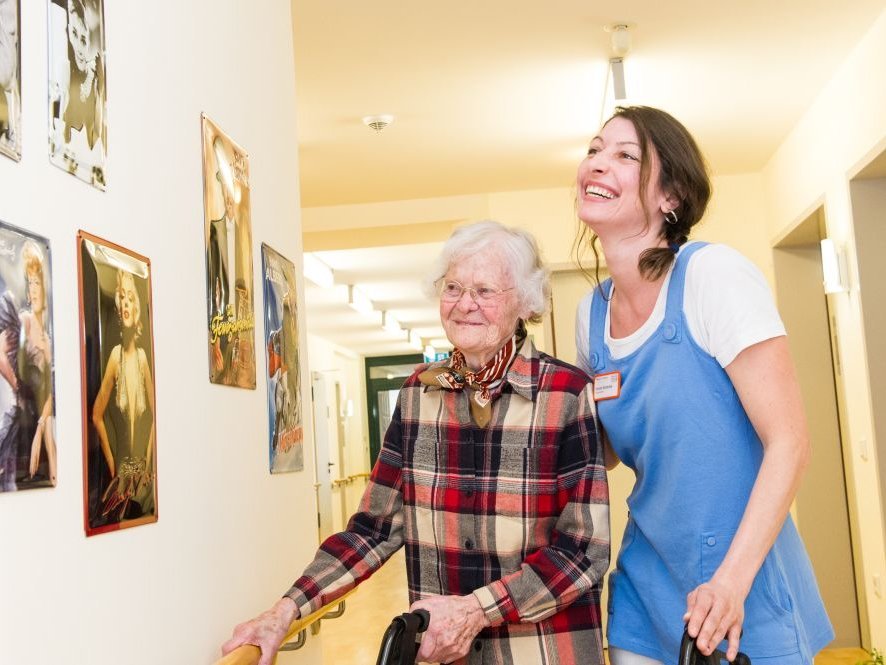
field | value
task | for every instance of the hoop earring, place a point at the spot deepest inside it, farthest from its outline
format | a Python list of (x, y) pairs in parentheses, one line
[(671, 217)]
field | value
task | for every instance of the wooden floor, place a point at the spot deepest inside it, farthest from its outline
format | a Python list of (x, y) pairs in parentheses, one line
[(354, 638)]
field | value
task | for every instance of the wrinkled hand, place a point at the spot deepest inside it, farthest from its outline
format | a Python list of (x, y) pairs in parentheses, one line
[(266, 631), (455, 621), (714, 611)]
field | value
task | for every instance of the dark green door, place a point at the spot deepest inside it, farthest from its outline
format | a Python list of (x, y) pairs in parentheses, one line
[(384, 377)]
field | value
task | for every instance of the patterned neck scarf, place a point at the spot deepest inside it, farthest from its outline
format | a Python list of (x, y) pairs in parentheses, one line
[(456, 376)]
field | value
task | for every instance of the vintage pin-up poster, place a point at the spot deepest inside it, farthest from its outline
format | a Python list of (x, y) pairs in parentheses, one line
[(10, 79), (119, 418), (228, 235), (284, 371), (78, 132), (27, 395)]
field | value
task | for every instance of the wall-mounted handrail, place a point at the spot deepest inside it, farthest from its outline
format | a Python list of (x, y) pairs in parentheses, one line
[(249, 654), (338, 482)]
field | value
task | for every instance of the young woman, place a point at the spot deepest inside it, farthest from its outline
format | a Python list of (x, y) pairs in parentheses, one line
[(696, 392)]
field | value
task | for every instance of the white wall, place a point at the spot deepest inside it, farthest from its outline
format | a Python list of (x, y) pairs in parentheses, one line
[(228, 541)]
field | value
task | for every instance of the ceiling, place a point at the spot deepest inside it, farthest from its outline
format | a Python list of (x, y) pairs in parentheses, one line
[(500, 96)]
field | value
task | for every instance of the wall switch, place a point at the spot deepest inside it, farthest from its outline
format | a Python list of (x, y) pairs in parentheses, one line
[(863, 449), (878, 585)]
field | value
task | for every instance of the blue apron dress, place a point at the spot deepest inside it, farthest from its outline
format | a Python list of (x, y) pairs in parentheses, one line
[(679, 424)]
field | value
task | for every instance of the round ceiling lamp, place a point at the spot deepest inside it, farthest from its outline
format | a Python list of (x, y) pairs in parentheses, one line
[(378, 122), (619, 38)]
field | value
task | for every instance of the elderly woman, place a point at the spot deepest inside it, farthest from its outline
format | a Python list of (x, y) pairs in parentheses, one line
[(490, 474)]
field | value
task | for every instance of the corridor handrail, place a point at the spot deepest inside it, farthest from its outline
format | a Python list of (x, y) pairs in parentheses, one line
[(249, 654)]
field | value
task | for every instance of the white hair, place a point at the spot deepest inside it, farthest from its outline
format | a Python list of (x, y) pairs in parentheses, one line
[(522, 261)]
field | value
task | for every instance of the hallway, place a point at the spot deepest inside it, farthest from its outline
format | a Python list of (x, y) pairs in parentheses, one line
[(354, 638)]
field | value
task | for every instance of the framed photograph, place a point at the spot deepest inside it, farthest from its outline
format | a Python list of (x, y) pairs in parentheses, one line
[(10, 79), (119, 418), (284, 371), (228, 235), (78, 129), (27, 383)]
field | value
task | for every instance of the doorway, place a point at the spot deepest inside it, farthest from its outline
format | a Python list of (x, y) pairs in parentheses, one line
[(384, 377), (324, 432), (822, 508)]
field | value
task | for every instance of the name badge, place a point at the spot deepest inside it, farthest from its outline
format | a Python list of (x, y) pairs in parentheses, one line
[(607, 386)]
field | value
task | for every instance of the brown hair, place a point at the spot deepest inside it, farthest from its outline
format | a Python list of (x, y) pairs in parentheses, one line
[(683, 174)]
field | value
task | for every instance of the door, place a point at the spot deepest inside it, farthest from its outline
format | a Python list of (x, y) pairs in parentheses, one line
[(323, 467), (384, 377), (822, 507)]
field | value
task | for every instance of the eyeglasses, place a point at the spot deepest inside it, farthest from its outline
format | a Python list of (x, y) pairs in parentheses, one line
[(452, 291)]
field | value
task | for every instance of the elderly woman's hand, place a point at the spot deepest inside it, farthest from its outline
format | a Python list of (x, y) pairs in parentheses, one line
[(455, 621), (266, 631)]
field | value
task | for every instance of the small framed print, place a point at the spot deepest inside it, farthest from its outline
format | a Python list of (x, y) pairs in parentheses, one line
[(78, 117), (228, 235), (28, 456), (119, 416), (10, 79), (284, 369)]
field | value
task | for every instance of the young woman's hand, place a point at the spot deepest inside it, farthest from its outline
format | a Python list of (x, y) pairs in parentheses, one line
[(714, 612)]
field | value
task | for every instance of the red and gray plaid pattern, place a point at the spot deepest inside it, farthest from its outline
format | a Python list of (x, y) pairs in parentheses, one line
[(516, 513)]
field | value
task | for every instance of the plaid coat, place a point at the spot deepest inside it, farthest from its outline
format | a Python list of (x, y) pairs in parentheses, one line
[(516, 513)]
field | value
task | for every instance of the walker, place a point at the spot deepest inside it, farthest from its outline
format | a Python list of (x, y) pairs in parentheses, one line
[(398, 644), (689, 655)]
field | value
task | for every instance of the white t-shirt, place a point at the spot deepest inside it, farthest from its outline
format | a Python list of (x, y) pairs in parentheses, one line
[(727, 304)]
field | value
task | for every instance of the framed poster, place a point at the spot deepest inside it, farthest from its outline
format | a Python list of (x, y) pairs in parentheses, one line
[(78, 131), (27, 381), (228, 236), (119, 418), (10, 79), (284, 370)]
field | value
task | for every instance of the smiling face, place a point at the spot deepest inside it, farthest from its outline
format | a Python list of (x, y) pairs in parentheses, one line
[(78, 35), (609, 183), (479, 331)]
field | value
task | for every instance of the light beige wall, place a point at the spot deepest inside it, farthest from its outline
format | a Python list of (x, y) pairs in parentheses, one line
[(839, 133), (229, 539), (869, 213)]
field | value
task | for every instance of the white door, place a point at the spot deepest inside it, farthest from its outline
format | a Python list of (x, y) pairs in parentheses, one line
[(323, 467)]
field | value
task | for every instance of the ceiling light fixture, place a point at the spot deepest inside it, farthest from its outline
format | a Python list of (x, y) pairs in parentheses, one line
[(318, 272), (619, 38), (390, 323), (359, 301), (620, 45), (378, 122)]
